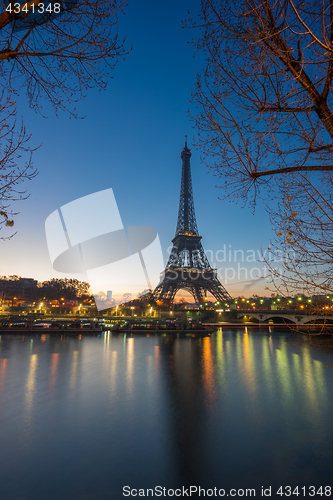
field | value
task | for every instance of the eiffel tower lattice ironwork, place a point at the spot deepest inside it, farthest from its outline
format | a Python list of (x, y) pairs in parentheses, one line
[(188, 267)]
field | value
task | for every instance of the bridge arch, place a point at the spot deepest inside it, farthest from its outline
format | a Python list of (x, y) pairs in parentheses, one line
[(288, 317), (265, 317)]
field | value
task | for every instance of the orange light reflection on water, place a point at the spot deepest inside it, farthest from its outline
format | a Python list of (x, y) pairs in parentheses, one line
[(53, 370), (157, 359), (208, 371), (73, 378), (3, 373), (30, 389)]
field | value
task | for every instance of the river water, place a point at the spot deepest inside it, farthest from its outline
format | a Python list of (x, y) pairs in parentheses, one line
[(80, 418)]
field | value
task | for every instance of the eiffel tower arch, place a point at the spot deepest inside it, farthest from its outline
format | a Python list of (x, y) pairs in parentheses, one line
[(188, 267)]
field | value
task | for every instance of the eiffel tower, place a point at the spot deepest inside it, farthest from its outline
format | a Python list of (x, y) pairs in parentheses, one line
[(188, 267)]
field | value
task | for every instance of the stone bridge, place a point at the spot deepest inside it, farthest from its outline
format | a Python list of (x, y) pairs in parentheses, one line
[(297, 317)]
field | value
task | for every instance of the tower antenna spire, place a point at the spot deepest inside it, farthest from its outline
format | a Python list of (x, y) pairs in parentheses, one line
[(185, 141)]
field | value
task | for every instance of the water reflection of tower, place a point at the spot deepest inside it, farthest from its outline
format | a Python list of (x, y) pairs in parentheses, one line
[(182, 360)]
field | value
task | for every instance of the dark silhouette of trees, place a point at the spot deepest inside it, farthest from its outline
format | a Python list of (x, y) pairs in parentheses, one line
[(52, 56), (54, 289), (66, 288), (265, 123)]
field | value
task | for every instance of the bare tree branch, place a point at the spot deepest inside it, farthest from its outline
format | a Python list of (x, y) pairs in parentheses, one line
[(54, 51), (263, 112)]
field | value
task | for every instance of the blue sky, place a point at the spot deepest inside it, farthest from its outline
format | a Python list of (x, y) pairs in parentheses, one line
[(130, 140)]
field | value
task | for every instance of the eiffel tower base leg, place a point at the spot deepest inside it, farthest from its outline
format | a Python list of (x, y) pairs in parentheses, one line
[(191, 281)]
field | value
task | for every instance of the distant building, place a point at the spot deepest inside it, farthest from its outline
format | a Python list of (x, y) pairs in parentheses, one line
[(21, 289), (109, 295), (192, 307)]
